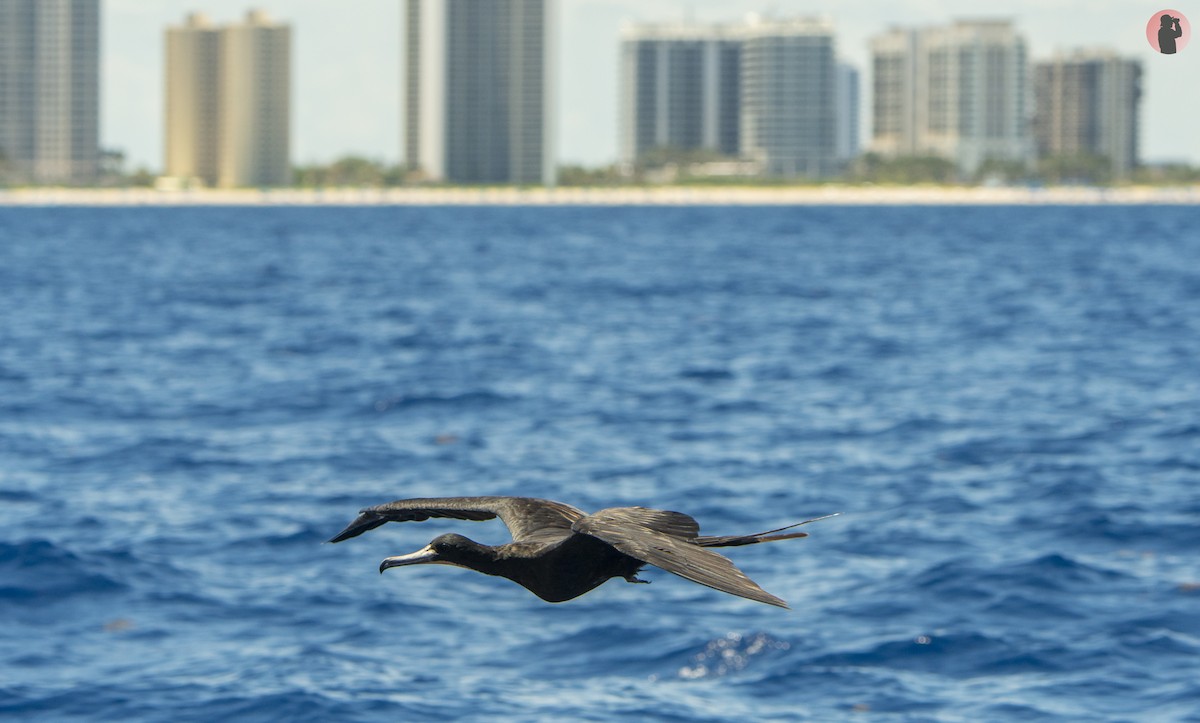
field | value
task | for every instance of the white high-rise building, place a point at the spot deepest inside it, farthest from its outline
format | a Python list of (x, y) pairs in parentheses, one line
[(479, 90), (1086, 103), (228, 102), (960, 91), (789, 97), (49, 90)]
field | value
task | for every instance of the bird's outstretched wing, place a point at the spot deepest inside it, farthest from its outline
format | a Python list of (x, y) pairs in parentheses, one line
[(664, 539), (523, 516)]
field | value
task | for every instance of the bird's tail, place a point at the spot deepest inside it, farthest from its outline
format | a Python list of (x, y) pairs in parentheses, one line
[(768, 536)]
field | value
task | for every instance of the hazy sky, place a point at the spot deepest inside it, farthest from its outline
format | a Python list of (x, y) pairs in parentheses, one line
[(346, 61)]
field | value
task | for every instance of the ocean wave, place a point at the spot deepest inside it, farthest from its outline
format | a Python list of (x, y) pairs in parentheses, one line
[(958, 654), (466, 400), (39, 571), (966, 578)]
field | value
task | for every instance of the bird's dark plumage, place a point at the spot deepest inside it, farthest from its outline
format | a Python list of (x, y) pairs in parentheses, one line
[(559, 552)]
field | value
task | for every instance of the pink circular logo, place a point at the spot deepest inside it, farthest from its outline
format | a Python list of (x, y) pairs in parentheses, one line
[(1168, 31)]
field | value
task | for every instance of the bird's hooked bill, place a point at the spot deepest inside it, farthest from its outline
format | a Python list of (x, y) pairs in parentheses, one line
[(425, 554)]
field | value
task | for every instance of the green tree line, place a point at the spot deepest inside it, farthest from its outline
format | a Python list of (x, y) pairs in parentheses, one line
[(666, 165)]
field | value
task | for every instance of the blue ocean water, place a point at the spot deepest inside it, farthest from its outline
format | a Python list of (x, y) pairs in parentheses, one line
[(1003, 402)]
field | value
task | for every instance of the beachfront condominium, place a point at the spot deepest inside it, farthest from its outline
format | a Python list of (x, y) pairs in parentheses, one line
[(49, 90), (789, 98), (959, 91), (478, 90), (1086, 104), (763, 91), (228, 102), (680, 89)]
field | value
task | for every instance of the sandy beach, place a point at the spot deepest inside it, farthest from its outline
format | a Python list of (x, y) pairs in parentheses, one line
[(607, 196)]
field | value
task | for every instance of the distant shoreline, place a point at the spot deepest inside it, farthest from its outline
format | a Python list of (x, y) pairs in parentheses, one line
[(823, 195)]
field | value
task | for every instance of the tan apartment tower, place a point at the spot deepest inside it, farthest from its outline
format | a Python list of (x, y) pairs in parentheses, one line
[(49, 90), (959, 91), (1087, 105), (228, 102)]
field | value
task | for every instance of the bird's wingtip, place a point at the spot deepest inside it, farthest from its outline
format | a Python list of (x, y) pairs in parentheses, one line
[(366, 520)]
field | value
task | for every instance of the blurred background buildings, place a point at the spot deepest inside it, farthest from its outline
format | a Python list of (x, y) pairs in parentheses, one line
[(764, 98), (759, 98)]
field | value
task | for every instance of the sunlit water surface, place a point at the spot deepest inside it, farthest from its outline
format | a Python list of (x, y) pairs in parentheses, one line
[(1004, 402)]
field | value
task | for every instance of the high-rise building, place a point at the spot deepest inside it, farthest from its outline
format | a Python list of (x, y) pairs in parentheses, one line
[(849, 94), (960, 92), (764, 91), (255, 103), (193, 100), (228, 99), (1086, 103), (478, 90), (789, 97), (680, 89), (49, 90)]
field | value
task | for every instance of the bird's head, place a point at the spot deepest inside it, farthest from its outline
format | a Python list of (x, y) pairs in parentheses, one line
[(448, 549)]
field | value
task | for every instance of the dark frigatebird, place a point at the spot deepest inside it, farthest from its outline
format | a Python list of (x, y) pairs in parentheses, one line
[(559, 552)]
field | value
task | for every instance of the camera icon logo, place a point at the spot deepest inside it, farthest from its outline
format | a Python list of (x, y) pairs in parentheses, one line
[(1168, 31)]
